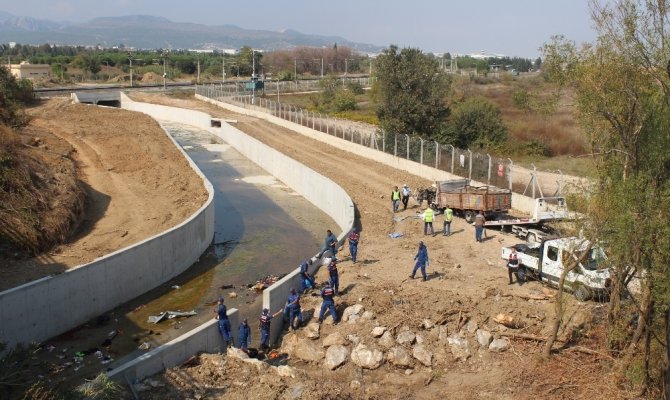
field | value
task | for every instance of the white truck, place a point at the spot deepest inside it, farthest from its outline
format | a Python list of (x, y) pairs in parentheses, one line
[(546, 209), (547, 260)]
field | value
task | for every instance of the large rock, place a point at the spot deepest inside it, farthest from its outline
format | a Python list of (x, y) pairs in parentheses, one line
[(405, 337), (369, 315), (356, 309), (399, 357), (333, 339), (367, 358), (460, 347), (377, 331), (483, 337), (424, 356), (387, 340), (427, 324), (312, 330), (499, 345), (285, 371), (308, 350), (419, 339), (237, 353), (336, 355), (353, 318), (353, 338)]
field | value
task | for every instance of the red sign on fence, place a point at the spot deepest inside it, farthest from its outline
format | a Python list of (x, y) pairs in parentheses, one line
[(501, 170)]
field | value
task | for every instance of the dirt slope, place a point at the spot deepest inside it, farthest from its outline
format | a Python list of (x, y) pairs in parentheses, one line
[(137, 184)]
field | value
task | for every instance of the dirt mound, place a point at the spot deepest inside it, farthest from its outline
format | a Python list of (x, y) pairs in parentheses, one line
[(151, 77)]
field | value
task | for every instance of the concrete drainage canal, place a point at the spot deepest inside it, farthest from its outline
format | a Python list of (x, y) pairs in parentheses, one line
[(262, 229)]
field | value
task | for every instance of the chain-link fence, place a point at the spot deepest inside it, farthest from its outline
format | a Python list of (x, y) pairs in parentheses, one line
[(465, 163)]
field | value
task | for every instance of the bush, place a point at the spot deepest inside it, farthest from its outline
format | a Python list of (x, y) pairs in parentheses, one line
[(476, 122), (344, 100), (355, 88), (13, 97)]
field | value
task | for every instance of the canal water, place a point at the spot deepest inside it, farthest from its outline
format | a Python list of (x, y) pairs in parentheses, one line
[(262, 227)]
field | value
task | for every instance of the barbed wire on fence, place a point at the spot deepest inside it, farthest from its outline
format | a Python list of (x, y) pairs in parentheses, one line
[(476, 166)]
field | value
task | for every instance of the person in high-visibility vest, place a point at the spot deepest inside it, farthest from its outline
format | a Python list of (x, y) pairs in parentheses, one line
[(448, 216), (428, 221), (395, 199)]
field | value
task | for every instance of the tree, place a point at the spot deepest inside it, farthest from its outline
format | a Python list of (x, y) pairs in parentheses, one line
[(14, 94), (476, 122), (622, 86), (410, 93)]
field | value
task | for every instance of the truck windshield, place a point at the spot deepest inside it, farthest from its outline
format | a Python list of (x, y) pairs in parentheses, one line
[(594, 259)]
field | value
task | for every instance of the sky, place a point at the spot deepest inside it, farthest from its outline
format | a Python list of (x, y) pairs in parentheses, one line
[(509, 27)]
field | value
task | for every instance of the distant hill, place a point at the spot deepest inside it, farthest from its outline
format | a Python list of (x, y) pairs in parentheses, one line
[(149, 32)]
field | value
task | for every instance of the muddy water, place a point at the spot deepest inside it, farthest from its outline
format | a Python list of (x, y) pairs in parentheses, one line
[(262, 228)]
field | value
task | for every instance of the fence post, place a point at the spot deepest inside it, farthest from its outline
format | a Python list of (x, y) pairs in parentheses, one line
[(560, 183), (453, 156), (470, 166), (407, 138), (395, 149), (327, 126), (511, 164), (488, 178), (421, 151), (437, 154)]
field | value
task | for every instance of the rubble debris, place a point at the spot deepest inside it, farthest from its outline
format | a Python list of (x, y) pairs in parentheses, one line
[(378, 331), (335, 356), (333, 339), (262, 283), (312, 330), (508, 321), (399, 357), (395, 235), (365, 357), (460, 347), (422, 354), (145, 346), (499, 345), (484, 338), (154, 319)]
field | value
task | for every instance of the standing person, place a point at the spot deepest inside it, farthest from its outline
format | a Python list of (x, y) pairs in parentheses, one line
[(428, 216), (244, 335), (479, 226), (224, 323), (264, 326), (328, 304), (334, 277), (513, 267), (421, 258), (406, 192), (354, 237), (329, 243), (395, 199), (448, 216), (293, 310)]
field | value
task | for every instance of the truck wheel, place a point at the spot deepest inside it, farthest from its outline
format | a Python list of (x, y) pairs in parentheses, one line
[(531, 238), (469, 216), (582, 293)]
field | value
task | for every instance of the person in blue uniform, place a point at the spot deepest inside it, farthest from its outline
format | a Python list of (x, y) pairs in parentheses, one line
[(264, 326), (421, 258), (328, 303), (293, 309), (224, 323), (334, 277), (244, 334)]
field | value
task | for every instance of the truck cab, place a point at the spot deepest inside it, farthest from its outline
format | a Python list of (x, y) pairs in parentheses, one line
[(547, 260)]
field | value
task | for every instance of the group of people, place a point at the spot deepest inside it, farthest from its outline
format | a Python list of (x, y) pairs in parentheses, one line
[(292, 310)]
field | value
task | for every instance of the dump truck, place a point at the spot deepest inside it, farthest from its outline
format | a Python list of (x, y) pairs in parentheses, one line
[(547, 260), (467, 200)]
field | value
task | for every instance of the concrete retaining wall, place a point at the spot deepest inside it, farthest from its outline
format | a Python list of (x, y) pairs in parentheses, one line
[(520, 202), (52, 305), (205, 338)]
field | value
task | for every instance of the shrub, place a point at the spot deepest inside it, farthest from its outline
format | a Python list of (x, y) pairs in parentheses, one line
[(476, 122), (344, 100)]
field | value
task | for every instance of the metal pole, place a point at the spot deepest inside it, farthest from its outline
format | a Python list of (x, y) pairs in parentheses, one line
[(223, 68), (395, 148), (253, 74), (488, 178), (560, 184), (437, 154), (470, 166), (321, 67), (453, 157), (421, 152), (511, 164), (407, 137), (533, 178)]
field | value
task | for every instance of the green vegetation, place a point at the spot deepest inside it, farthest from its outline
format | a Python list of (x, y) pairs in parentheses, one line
[(13, 97), (476, 123), (622, 87), (410, 93)]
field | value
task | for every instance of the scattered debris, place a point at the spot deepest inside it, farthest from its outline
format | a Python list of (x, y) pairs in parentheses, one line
[(395, 235), (145, 346), (175, 286), (154, 319)]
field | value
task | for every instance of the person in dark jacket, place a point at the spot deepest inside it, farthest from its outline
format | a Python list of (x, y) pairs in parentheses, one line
[(421, 259)]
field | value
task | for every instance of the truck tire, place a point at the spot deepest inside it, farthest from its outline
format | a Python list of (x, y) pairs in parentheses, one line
[(582, 293), (531, 238), (469, 216)]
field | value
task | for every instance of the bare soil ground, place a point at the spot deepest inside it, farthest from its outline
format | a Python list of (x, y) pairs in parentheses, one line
[(467, 288), (137, 184)]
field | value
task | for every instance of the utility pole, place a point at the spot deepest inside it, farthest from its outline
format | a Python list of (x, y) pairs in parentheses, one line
[(130, 59), (164, 55), (295, 70), (223, 67), (321, 67), (198, 80), (253, 77)]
